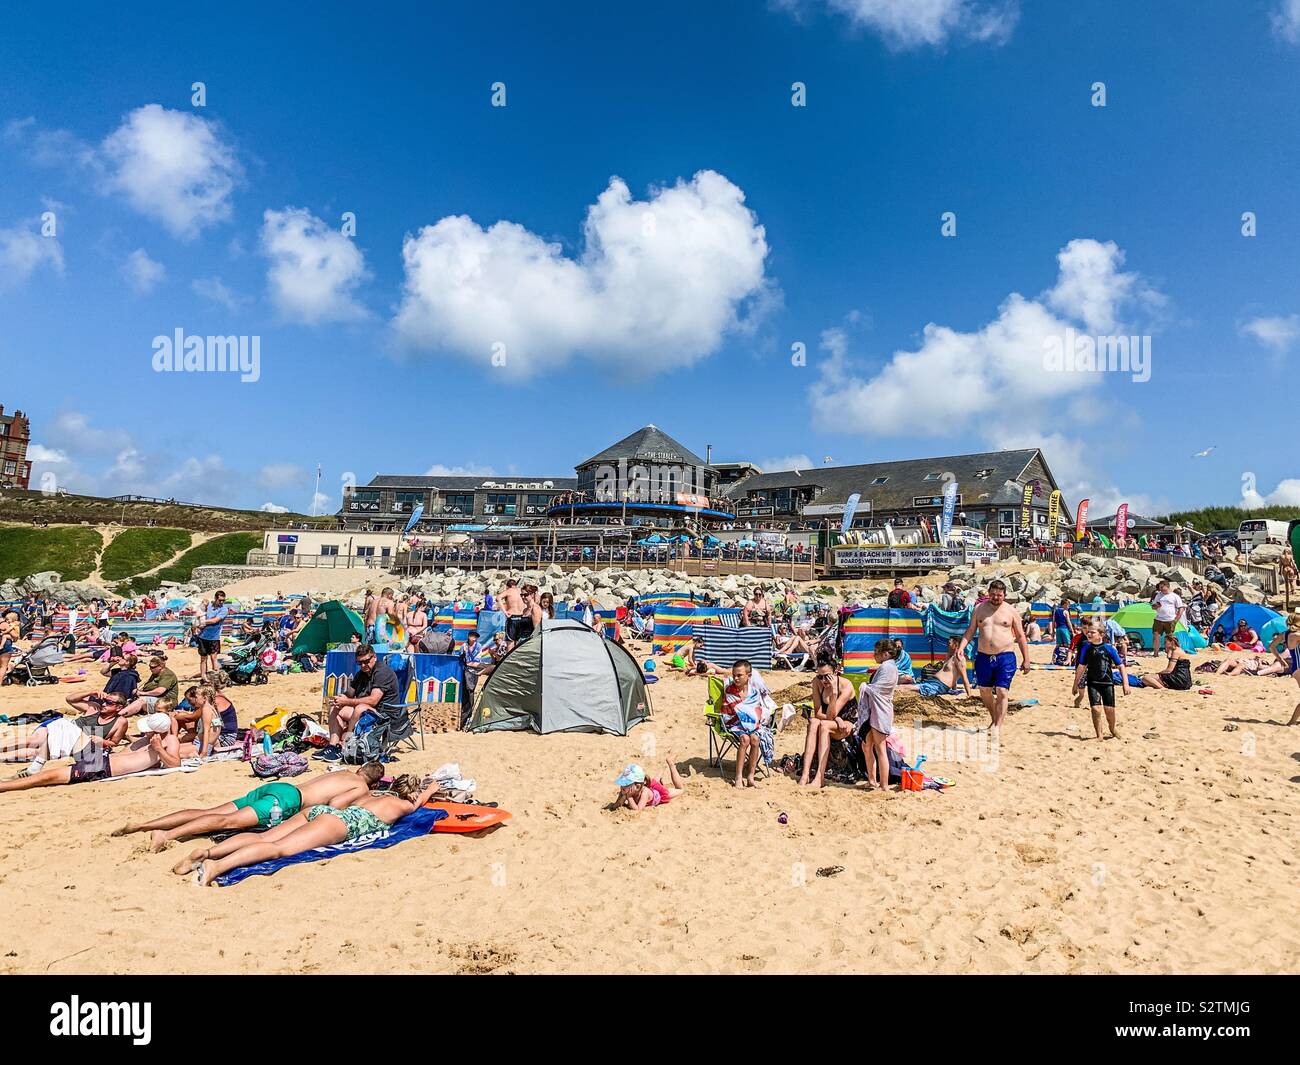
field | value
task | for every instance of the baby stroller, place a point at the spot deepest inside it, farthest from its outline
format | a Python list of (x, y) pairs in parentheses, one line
[(244, 664), (33, 667)]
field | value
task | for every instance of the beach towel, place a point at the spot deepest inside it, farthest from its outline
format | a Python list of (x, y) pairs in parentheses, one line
[(189, 765), (411, 826)]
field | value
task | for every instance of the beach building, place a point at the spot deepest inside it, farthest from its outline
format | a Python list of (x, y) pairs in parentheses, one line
[(990, 493), (15, 435), (649, 479)]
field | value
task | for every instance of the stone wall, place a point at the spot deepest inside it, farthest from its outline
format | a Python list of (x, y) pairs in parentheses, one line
[(208, 578)]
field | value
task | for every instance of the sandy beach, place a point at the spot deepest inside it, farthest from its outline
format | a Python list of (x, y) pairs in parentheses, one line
[(1172, 849)]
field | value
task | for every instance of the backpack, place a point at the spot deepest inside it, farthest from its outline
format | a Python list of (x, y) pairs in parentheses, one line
[(436, 643), (895, 599), (281, 764), (360, 748)]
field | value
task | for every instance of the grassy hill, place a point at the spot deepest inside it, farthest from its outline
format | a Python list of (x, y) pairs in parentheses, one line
[(1207, 519), (137, 550), (229, 550), (35, 507), (71, 552)]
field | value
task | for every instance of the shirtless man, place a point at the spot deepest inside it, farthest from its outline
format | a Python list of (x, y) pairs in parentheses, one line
[(157, 746), (371, 609), (999, 630), (387, 606), (417, 621), (254, 809), (512, 603)]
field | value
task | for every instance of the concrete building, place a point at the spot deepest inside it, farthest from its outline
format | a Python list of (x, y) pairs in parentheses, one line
[(15, 435)]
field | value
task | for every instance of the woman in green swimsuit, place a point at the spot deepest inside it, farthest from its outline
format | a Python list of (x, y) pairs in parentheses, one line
[(318, 826)]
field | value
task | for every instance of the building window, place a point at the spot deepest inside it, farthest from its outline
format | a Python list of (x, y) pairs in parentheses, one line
[(384, 552), (365, 552), (931, 476), (880, 480), (330, 550), (538, 500), (1005, 516), (11, 468), (500, 503), (409, 498), (458, 503)]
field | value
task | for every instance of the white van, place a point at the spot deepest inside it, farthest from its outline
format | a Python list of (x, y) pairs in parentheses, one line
[(1255, 531)]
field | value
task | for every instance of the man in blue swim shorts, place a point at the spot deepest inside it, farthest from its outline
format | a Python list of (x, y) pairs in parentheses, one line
[(1000, 630)]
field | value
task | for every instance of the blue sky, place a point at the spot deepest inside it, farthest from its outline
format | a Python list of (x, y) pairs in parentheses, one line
[(644, 230)]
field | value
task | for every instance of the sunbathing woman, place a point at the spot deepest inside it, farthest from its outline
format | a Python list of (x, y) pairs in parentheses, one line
[(257, 808), (156, 747), (319, 826), (1177, 675), (1250, 666), (831, 693)]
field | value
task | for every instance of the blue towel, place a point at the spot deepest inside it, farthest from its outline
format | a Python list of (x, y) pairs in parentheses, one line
[(419, 823)]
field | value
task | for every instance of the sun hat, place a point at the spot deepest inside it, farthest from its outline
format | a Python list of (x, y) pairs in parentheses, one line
[(632, 774), (156, 723)]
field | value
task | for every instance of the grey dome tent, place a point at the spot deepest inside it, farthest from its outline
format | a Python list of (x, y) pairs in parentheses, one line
[(566, 677)]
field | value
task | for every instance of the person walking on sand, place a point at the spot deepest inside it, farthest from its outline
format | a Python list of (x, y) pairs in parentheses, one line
[(999, 629), (831, 693), (1169, 608), (1097, 663), (208, 636)]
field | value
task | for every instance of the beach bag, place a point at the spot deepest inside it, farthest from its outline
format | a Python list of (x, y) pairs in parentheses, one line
[(365, 743), (281, 764)]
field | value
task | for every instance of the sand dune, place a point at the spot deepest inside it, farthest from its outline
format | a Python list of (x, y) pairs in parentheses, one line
[(1173, 849)]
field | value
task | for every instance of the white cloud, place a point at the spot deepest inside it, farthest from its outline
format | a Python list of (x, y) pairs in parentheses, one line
[(1286, 21), (322, 503), (273, 508), (1074, 465), (23, 252), (74, 433), (956, 377), (281, 475), (905, 24), (214, 290), (657, 284), (1276, 331), (171, 166), (468, 470), (41, 453), (786, 462), (314, 268), (1286, 494), (142, 273)]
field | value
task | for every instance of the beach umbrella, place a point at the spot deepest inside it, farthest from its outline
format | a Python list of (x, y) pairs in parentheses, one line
[(331, 624)]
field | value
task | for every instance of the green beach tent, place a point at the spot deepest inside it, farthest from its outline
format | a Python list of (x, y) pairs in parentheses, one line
[(566, 677), (1137, 618), (332, 623)]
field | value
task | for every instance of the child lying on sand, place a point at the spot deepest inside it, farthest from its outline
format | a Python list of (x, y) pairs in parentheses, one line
[(637, 793)]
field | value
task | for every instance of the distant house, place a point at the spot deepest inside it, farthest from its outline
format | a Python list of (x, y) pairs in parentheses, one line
[(15, 434)]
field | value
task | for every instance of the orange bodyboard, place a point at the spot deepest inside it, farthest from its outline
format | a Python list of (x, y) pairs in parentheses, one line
[(464, 817)]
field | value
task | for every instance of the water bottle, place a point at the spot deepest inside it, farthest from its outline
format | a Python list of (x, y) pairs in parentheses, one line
[(277, 815), (266, 744)]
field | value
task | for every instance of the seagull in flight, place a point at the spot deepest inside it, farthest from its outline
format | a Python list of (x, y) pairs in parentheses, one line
[(1203, 454)]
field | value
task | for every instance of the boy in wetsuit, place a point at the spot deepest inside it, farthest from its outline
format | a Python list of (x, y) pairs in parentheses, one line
[(1096, 662)]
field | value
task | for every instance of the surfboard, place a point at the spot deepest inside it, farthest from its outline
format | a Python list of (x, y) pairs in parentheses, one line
[(463, 817)]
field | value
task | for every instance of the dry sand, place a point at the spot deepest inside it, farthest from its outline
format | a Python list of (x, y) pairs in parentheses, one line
[(1173, 849)]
